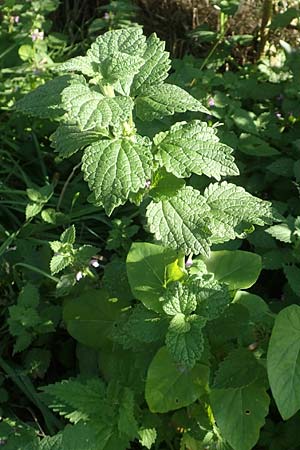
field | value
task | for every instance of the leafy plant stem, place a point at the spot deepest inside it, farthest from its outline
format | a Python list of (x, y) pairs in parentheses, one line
[(63, 191), (25, 385), (37, 270)]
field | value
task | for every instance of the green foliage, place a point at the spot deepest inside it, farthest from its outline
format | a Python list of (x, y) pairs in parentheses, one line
[(157, 348)]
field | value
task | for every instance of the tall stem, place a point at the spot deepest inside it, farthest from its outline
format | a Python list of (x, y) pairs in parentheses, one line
[(264, 27)]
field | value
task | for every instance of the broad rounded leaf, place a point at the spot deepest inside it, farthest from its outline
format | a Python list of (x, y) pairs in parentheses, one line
[(283, 361), (90, 318), (116, 168), (237, 268), (240, 413), (147, 272), (170, 386)]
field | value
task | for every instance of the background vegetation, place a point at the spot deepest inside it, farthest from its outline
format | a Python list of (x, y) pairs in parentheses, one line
[(241, 59)]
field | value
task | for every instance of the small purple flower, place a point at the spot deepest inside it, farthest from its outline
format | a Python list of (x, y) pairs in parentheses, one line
[(280, 97), (37, 35), (147, 184), (94, 263), (106, 16), (278, 115), (79, 275), (211, 102), (14, 19), (189, 262)]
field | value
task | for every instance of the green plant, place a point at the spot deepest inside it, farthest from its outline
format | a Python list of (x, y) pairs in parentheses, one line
[(149, 329)]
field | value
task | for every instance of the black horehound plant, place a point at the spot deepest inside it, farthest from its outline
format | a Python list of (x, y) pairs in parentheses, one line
[(157, 340)]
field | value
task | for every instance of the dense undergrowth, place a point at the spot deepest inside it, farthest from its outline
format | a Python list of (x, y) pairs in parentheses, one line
[(150, 226)]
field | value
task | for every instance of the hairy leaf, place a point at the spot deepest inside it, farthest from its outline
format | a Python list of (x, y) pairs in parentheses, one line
[(194, 148), (185, 340), (45, 101), (116, 168), (155, 68), (129, 41), (68, 139), (180, 221), (233, 210), (91, 110), (165, 100), (179, 299)]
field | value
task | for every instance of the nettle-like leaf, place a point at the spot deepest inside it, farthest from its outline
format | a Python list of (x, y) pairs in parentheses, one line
[(45, 101), (116, 168), (212, 297), (77, 399), (194, 148), (164, 100), (68, 139), (91, 110), (155, 67), (185, 340), (233, 210), (179, 298), (180, 221), (129, 41)]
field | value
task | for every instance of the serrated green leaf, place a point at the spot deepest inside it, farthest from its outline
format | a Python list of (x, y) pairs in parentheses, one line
[(51, 442), (194, 148), (126, 422), (147, 272), (130, 40), (81, 64), (77, 399), (120, 66), (166, 100), (45, 101), (60, 262), (281, 232), (116, 168), (282, 166), (179, 298), (237, 268), (147, 437), (170, 386), (292, 273), (212, 298), (283, 361), (33, 209), (69, 235), (233, 210), (240, 413), (185, 340), (180, 221), (68, 139), (240, 368), (165, 185), (155, 68), (91, 110)]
